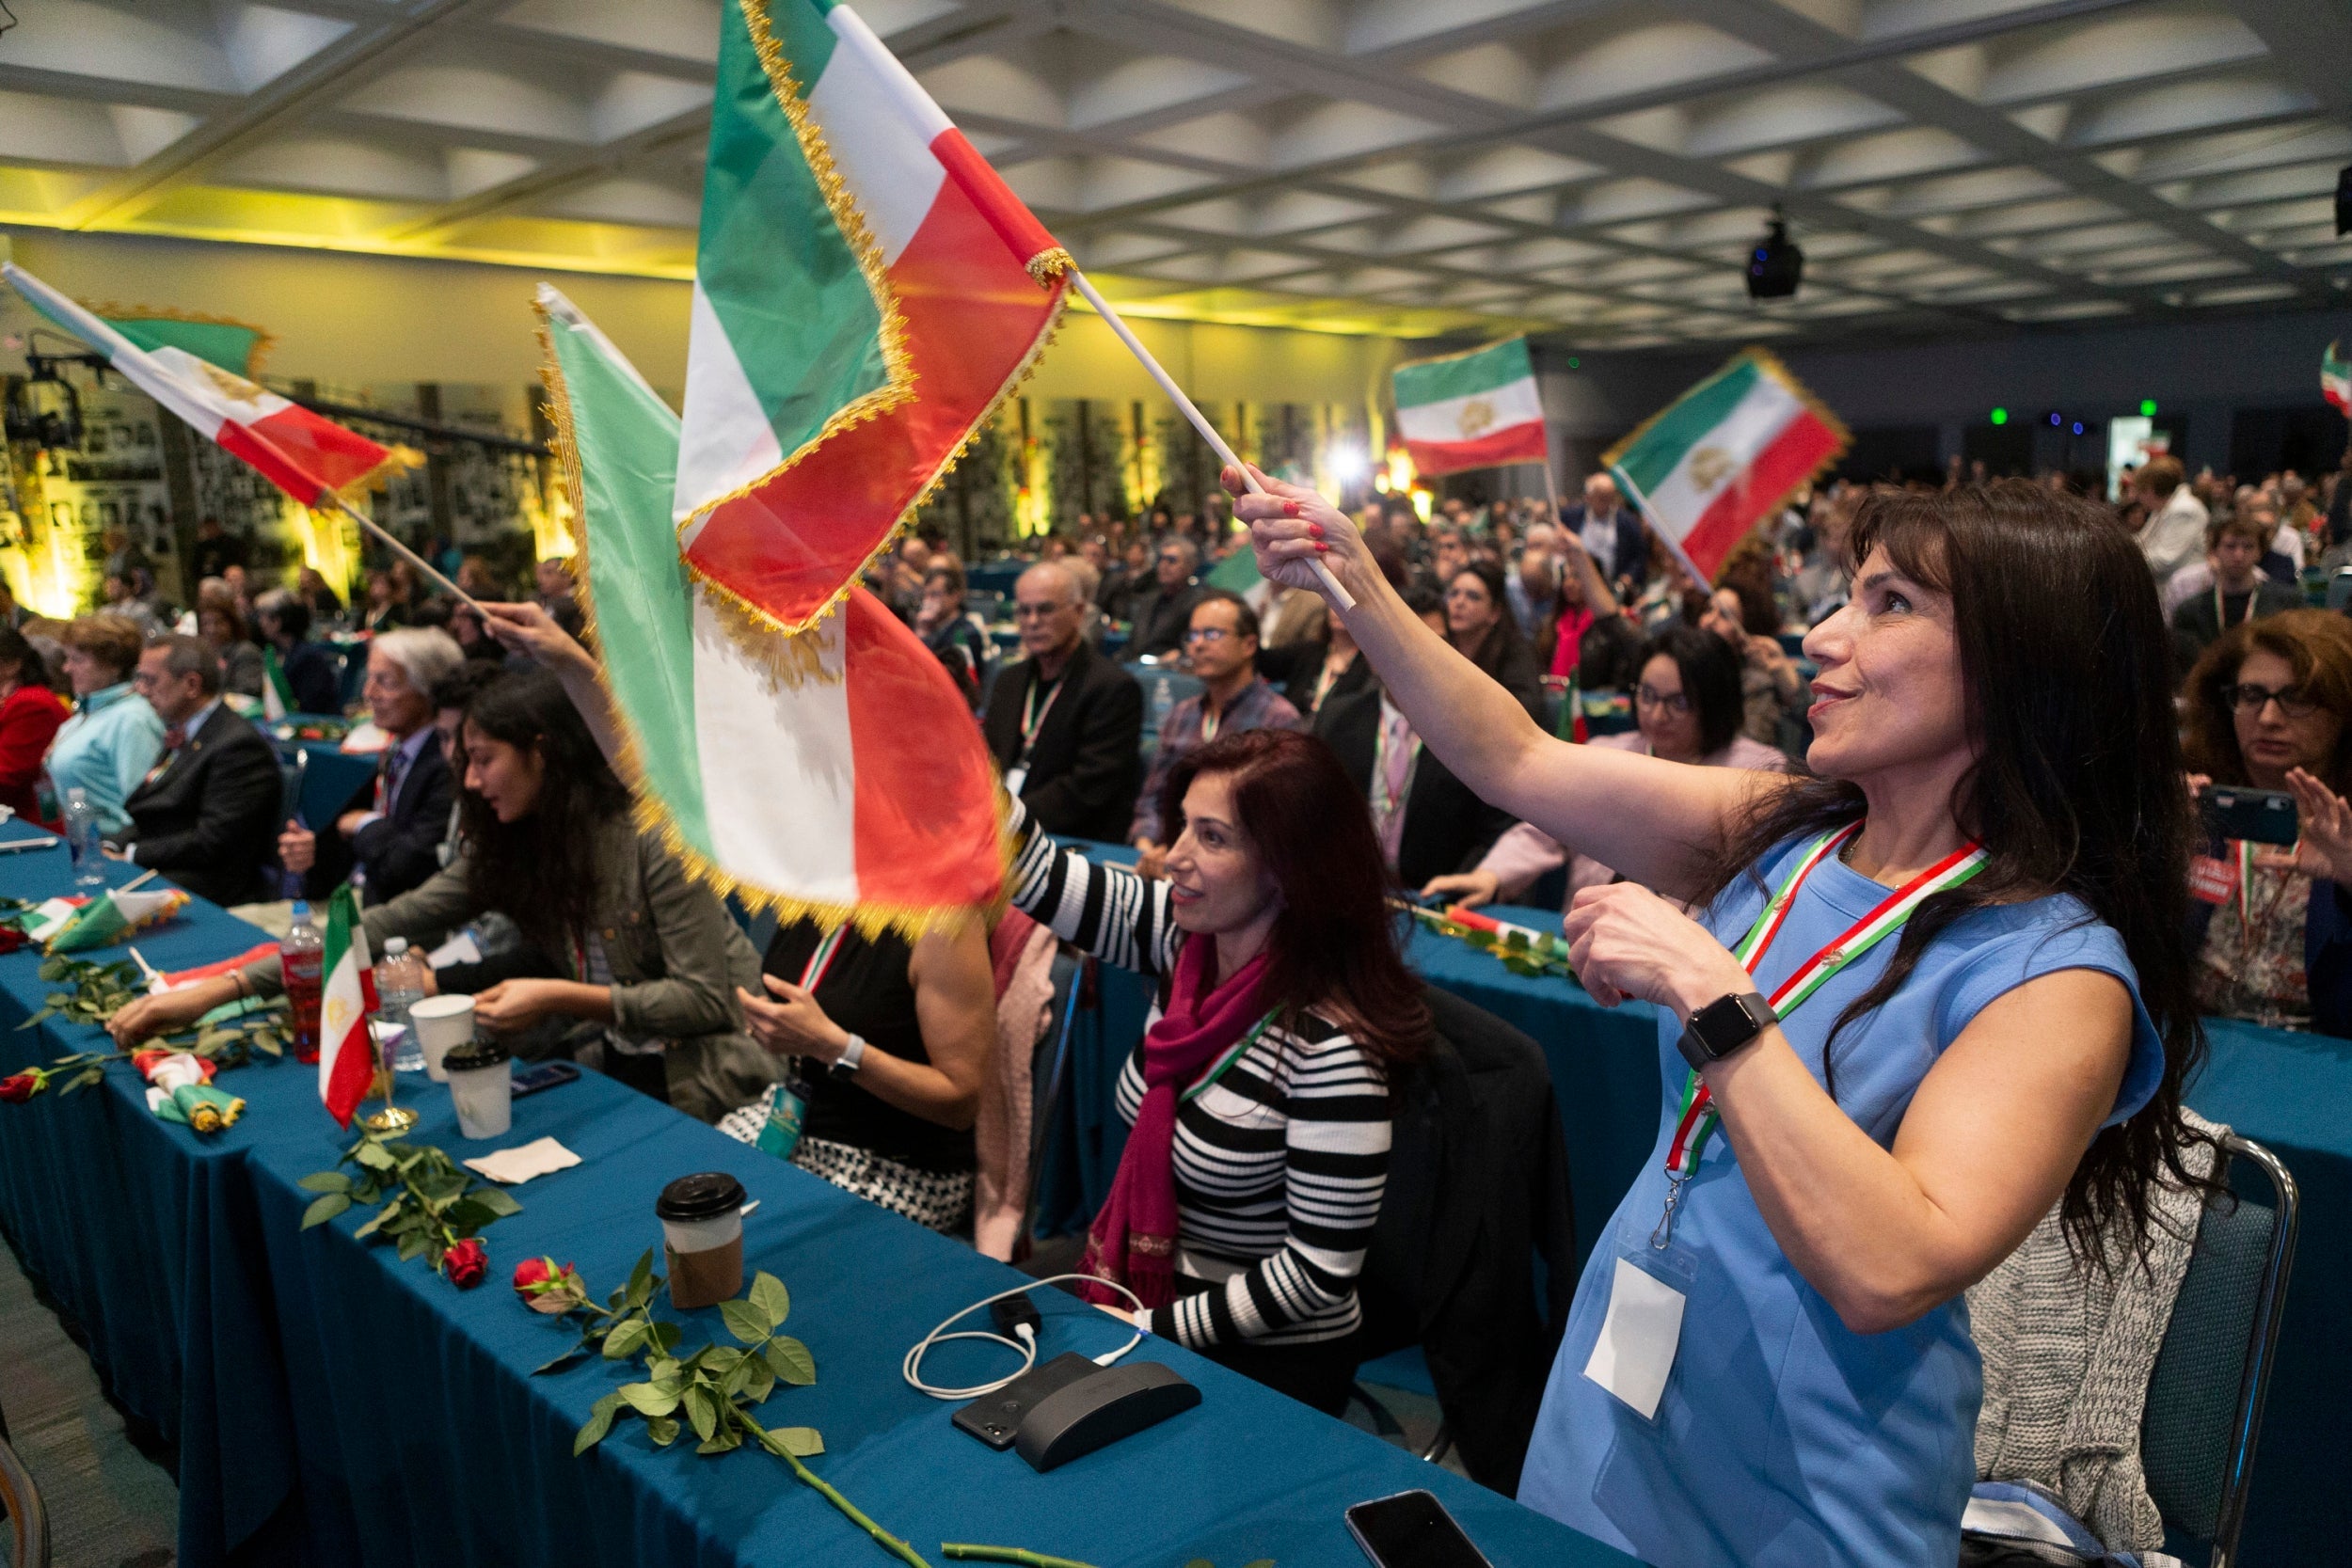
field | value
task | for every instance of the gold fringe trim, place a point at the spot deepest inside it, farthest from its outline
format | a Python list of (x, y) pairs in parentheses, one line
[(263, 339), (397, 460), (899, 386), (785, 660), (651, 814), (1047, 265)]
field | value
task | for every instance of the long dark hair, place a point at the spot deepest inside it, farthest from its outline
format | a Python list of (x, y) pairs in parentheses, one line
[(31, 669), (1334, 941), (2078, 785), (541, 869), (2316, 645), (1493, 647), (1711, 680)]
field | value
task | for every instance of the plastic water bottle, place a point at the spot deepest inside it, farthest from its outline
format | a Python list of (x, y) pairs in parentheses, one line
[(302, 957), (399, 986), (84, 839)]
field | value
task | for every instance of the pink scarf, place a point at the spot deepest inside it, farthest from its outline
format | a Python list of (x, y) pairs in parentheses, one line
[(1133, 1241)]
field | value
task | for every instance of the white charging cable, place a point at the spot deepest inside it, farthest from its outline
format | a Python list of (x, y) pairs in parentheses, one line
[(1025, 1346)]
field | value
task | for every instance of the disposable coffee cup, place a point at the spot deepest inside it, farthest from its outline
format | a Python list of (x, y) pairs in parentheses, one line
[(482, 1086), (443, 1022), (702, 1235)]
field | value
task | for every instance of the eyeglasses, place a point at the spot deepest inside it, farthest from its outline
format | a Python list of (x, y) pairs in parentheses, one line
[(1649, 696), (1207, 634), (2254, 699), (1035, 611), (1172, 561), (1468, 596)]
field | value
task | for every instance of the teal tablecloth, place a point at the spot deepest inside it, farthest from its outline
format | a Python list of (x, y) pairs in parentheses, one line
[(2292, 1092), (334, 1406)]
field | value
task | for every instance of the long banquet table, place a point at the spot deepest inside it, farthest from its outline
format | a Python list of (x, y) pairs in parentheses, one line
[(2292, 1092), (332, 1405)]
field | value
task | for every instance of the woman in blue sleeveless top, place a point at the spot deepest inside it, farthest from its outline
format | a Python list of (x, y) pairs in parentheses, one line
[(1931, 991)]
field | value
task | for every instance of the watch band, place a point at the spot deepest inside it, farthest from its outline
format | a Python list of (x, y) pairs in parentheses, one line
[(851, 1054), (1727, 1025)]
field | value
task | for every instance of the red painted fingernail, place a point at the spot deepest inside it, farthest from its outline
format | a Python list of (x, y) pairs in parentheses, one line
[(1290, 509), (1323, 550), (1315, 531)]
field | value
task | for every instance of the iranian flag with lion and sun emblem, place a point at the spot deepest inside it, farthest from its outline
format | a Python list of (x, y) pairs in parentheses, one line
[(1477, 410)]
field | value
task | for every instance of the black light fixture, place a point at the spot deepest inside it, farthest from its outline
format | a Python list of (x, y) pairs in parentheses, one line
[(1775, 266), (43, 409), (2343, 199)]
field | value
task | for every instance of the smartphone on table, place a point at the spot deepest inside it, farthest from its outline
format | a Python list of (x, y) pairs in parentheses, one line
[(1412, 1530)]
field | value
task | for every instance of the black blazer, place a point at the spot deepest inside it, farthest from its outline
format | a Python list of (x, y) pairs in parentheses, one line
[(1087, 762), (1447, 828), (314, 678), (1631, 561), (1161, 619), (209, 820), (398, 850)]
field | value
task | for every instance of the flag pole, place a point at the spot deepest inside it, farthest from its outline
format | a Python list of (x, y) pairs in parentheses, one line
[(1339, 595), (406, 553), (1626, 490)]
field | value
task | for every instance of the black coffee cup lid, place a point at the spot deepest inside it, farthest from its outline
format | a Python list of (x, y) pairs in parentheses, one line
[(474, 1055), (704, 1196)]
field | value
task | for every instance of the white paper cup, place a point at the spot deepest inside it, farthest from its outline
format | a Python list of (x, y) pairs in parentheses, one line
[(440, 1022), (484, 1093), (708, 1235)]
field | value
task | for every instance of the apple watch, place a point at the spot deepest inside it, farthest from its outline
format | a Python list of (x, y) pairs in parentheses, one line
[(1724, 1026), (852, 1053)]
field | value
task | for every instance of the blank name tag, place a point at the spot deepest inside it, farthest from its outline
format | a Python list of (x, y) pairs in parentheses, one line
[(1014, 780), (1636, 1347)]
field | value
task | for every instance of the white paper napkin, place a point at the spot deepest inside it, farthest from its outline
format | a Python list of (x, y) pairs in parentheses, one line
[(520, 1164)]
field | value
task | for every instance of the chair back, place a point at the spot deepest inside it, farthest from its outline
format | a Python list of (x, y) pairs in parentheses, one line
[(2339, 587), (28, 1520), (2205, 1396)]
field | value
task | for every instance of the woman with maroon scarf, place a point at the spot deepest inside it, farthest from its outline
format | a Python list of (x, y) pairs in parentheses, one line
[(1259, 1094)]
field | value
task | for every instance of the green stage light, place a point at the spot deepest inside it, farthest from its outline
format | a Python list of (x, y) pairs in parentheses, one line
[(2147, 409), (2000, 416), (1576, 364)]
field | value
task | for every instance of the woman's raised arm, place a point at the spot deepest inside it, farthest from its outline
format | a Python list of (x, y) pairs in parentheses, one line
[(1657, 823)]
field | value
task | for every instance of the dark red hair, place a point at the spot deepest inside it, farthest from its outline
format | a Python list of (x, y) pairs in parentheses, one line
[(1335, 941)]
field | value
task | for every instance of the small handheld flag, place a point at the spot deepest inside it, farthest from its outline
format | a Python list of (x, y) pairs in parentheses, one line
[(2335, 380)]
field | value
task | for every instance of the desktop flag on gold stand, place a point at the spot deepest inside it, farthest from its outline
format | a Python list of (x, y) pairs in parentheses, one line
[(836, 774), (867, 290), (1724, 456)]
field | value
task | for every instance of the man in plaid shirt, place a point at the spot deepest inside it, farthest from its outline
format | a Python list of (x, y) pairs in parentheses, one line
[(1221, 643)]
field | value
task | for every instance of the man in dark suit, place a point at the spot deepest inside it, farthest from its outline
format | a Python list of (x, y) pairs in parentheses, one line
[(392, 828), (204, 815), (1445, 828), (1612, 533), (1164, 611), (1065, 723)]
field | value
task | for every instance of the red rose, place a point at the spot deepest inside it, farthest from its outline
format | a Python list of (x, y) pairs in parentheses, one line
[(18, 1089), (547, 1285), (11, 939), (466, 1264), (535, 1271)]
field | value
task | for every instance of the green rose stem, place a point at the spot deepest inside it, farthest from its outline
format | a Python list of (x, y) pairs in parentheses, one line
[(888, 1542), (1008, 1554)]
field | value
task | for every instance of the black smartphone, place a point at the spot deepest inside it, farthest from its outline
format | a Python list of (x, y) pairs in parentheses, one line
[(1411, 1529), (995, 1418), (2257, 816), (546, 1075)]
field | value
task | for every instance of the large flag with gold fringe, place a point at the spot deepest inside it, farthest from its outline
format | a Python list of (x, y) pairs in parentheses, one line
[(866, 291), (837, 773)]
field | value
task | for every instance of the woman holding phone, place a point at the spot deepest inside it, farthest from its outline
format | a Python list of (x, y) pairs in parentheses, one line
[(1926, 995)]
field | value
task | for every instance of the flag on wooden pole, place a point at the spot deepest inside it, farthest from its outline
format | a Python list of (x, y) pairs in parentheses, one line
[(2335, 380), (346, 1049), (867, 290), (1475, 410), (1724, 456), (837, 773)]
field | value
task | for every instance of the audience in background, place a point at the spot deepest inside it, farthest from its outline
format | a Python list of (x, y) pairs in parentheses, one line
[(1478, 623), (1221, 646), (2270, 707), (30, 712), (113, 738), (1161, 611), (2175, 534), (311, 588), (387, 607), (1611, 533), (217, 549), (941, 622), (205, 812), (220, 621), (313, 675), (391, 831), (473, 638), (1065, 723), (1426, 821), (1772, 695), (2233, 589)]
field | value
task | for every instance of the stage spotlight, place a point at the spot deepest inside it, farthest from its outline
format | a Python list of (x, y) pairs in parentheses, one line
[(1775, 266)]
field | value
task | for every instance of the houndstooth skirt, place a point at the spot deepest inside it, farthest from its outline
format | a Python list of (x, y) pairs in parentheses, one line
[(940, 1199)]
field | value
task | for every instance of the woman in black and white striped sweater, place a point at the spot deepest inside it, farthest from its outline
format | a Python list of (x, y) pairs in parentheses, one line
[(1259, 1094)]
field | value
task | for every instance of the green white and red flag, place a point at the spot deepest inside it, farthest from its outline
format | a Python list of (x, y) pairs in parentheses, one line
[(310, 458), (867, 290), (837, 774), (1724, 456), (1474, 411), (276, 691), (347, 1051), (2335, 380)]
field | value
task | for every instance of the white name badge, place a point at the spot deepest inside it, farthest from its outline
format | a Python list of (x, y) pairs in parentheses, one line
[(1014, 780), (1636, 1347)]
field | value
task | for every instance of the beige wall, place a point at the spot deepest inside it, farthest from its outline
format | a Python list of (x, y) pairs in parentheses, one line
[(356, 320)]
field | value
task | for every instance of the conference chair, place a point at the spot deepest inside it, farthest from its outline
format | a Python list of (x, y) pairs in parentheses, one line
[(1164, 687), (2340, 588), (2205, 1396), (28, 1521)]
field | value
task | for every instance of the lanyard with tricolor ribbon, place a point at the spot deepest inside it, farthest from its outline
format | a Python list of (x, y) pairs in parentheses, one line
[(1698, 1120), (813, 972)]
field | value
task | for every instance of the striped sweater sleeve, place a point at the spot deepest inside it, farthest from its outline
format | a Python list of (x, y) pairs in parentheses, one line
[(1335, 1102), (1103, 910)]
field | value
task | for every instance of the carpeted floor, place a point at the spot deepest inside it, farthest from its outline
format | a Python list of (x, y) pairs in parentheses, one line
[(110, 1505)]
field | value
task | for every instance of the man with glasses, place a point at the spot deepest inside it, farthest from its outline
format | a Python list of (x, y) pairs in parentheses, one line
[(1222, 646), (1064, 724), (202, 814), (1162, 611), (392, 829)]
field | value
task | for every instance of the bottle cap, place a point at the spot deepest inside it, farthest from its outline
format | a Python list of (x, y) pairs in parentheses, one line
[(395, 946), (474, 1055), (301, 909), (703, 1197)]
